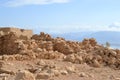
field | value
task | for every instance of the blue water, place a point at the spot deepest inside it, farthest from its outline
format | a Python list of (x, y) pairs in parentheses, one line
[(115, 46), (112, 45)]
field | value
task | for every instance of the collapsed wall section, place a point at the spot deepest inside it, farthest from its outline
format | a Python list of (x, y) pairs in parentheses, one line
[(21, 33), (8, 38), (8, 45)]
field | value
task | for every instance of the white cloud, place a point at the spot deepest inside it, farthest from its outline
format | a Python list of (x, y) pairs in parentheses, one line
[(15, 3), (115, 25), (76, 28)]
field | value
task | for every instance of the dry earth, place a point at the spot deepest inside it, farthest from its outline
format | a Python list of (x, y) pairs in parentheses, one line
[(55, 70)]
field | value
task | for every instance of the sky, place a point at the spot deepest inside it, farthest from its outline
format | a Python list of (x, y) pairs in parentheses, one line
[(58, 16)]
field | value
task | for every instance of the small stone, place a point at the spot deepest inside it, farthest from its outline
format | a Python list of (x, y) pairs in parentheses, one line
[(91, 75), (41, 62), (56, 72), (53, 72), (43, 76), (63, 72), (82, 74), (70, 69), (113, 53), (24, 75), (37, 50), (96, 63)]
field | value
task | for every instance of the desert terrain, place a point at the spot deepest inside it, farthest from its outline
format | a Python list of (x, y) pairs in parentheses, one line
[(28, 56)]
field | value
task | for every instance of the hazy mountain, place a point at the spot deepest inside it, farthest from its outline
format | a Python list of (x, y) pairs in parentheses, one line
[(102, 37), (106, 36), (78, 36)]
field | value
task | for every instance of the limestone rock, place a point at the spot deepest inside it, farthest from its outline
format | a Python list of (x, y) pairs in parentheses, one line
[(70, 69), (82, 74), (63, 72), (43, 76), (96, 63), (24, 75)]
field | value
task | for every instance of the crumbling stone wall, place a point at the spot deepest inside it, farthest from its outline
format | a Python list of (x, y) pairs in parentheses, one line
[(9, 37), (8, 45), (21, 33)]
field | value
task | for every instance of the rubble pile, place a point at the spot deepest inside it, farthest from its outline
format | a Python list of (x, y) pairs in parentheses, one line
[(43, 46), (42, 36), (42, 57)]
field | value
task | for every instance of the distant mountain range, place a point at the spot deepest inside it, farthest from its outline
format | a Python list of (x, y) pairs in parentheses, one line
[(102, 37), (112, 37)]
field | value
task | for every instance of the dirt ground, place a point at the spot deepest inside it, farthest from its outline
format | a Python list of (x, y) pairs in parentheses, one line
[(9, 70)]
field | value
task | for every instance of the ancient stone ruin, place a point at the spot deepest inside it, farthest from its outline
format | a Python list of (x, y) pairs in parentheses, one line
[(21, 33), (20, 44), (28, 56)]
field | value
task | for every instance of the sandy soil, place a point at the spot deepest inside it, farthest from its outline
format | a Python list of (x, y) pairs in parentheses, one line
[(9, 69)]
